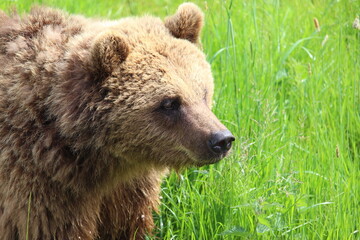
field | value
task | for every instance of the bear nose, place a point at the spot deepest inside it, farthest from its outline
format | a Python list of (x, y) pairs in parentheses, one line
[(220, 142)]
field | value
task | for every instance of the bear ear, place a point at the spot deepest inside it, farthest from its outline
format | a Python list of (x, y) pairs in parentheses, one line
[(109, 50), (186, 23)]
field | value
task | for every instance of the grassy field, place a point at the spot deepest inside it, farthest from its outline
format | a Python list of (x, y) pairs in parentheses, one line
[(290, 92)]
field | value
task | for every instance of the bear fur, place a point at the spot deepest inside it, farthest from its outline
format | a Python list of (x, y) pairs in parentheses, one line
[(93, 113)]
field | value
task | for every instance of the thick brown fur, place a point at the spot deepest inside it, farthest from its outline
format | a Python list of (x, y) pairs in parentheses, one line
[(84, 141)]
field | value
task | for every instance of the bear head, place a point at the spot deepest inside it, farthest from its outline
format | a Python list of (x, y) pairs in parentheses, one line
[(160, 88)]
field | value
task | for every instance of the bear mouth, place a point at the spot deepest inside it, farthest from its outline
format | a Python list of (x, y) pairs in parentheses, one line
[(206, 159), (210, 161)]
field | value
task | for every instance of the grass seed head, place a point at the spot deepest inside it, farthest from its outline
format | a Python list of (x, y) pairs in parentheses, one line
[(317, 25), (326, 38), (356, 23)]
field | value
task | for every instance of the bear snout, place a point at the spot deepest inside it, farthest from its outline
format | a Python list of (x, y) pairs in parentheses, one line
[(220, 142)]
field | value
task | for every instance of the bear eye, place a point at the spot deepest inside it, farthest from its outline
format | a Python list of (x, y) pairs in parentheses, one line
[(170, 104)]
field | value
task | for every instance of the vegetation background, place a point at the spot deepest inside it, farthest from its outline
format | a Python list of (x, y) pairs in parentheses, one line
[(290, 92)]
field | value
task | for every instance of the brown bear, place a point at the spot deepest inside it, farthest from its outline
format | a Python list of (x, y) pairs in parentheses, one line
[(92, 115)]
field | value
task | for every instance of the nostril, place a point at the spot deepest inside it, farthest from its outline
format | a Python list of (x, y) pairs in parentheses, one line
[(216, 149), (225, 144), (221, 141)]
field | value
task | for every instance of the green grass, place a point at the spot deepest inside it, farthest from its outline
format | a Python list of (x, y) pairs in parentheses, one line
[(291, 95)]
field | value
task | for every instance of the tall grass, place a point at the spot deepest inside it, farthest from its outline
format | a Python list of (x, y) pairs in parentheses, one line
[(291, 95)]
